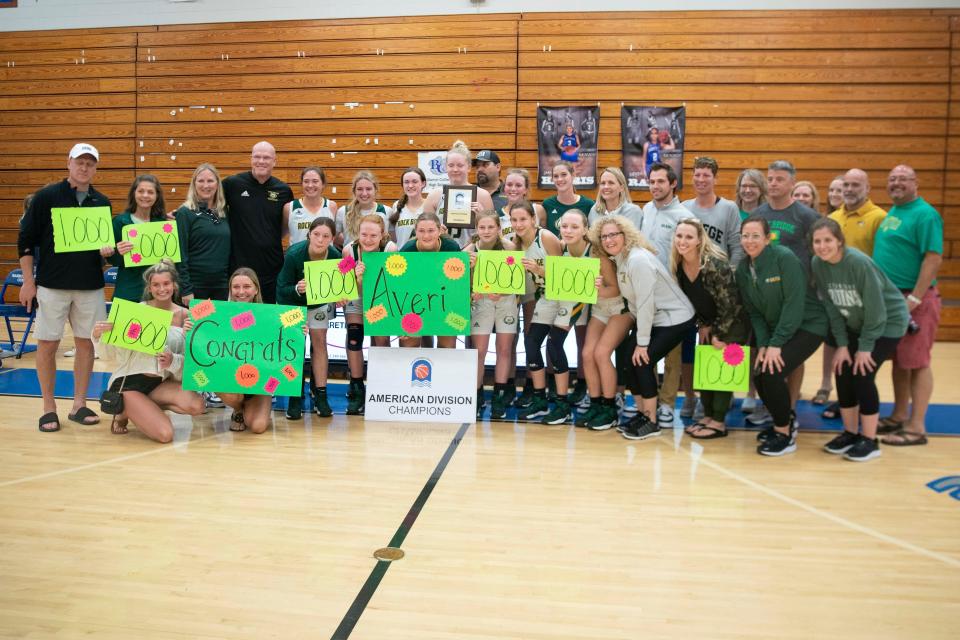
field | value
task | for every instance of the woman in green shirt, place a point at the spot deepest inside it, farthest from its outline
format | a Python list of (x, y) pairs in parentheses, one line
[(868, 316), (144, 204), (788, 321), (205, 235), (292, 290), (426, 237)]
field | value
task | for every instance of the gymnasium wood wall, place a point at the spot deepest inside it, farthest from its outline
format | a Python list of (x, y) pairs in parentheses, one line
[(826, 89)]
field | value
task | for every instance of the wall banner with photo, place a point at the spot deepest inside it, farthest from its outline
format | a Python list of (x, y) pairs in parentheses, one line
[(568, 133), (649, 135)]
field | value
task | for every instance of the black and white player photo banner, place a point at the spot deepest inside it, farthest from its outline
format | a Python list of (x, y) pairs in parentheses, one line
[(650, 135), (570, 134)]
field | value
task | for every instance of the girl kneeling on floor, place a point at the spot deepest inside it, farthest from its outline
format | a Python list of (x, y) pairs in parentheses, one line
[(151, 385)]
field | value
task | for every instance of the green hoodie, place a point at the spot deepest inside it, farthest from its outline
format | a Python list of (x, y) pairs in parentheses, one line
[(292, 272), (778, 298), (860, 299)]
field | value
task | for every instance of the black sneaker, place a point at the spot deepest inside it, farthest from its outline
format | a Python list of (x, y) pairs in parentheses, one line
[(779, 444), (578, 393), (560, 413), (320, 405), (841, 443), (294, 408), (640, 428), (864, 449), (524, 400), (766, 434), (358, 400)]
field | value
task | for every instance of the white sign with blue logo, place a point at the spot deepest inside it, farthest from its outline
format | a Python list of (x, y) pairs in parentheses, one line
[(434, 166), (421, 385)]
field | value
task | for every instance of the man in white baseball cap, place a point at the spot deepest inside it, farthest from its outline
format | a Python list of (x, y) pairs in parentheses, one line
[(67, 286)]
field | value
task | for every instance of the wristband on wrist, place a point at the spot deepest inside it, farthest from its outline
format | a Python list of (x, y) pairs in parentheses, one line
[(914, 299)]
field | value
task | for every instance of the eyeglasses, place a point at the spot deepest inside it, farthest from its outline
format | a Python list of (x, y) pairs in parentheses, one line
[(610, 236)]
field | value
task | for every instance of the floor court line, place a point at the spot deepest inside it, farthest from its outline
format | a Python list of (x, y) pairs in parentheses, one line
[(103, 463), (701, 459), (352, 616)]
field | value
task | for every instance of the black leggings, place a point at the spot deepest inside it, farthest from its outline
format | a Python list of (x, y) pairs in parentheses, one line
[(772, 387), (855, 389), (532, 341), (663, 340)]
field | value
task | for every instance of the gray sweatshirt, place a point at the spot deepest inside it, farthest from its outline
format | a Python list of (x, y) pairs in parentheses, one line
[(659, 225), (652, 296), (722, 224), (628, 210)]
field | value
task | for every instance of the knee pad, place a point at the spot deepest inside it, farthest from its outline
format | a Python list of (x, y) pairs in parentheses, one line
[(532, 341), (558, 357), (354, 337)]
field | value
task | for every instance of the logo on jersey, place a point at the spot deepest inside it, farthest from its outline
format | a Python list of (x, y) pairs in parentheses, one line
[(273, 196), (421, 373), (245, 194)]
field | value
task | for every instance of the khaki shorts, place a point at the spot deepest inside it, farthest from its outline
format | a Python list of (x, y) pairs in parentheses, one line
[(558, 313), (319, 317), (485, 315), (82, 307), (606, 308)]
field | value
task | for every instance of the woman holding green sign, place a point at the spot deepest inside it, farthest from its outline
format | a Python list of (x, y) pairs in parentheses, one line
[(292, 290), (704, 273), (489, 311), (248, 410), (789, 323), (664, 314), (144, 204), (151, 384), (372, 238)]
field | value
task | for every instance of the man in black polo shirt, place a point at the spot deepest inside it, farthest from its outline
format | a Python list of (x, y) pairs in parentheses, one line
[(67, 286), (487, 165), (255, 202)]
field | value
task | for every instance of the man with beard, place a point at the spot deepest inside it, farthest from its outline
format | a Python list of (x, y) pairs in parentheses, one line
[(487, 166), (660, 218)]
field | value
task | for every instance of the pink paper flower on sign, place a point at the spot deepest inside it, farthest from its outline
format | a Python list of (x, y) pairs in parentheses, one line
[(411, 323), (132, 233), (167, 228), (733, 354), (511, 261), (347, 264), (135, 258)]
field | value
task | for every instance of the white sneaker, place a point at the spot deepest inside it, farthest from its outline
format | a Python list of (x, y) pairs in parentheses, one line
[(69, 353), (213, 400), (665, 416), (760, 416)]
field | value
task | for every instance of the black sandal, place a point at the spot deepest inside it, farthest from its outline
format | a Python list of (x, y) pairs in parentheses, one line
[(49, 418), (236, 422), (81, 416), (832, 412), (714, 433)]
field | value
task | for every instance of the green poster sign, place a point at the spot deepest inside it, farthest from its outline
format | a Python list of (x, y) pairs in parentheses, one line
[(241, 347), (137, 327), (499, 272), (572, 279), (152, 242), (81, 228), (330, 280), (416, 294), (721, 369)]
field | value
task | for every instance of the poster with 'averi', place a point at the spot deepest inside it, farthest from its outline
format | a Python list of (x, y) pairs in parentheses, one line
[(416, 294)]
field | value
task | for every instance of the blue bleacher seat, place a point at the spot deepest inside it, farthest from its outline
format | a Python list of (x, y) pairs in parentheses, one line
[(15, 311)]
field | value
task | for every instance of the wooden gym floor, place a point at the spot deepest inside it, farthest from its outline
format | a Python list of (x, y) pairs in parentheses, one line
[(509, 531)]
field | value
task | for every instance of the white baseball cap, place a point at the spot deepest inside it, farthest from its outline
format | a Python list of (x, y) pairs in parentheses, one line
[(84, 149)]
